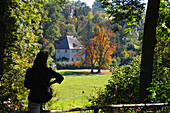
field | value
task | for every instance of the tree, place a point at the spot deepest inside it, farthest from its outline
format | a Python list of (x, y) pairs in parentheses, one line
[(149, 41), (51, 28), (99, 50), (19, 33), (7, 27), (97, 18), (105, 50), (97, 7), (91, 54), (124, 10), (86, 32), (122, 87), (163, 33), (131, 10)]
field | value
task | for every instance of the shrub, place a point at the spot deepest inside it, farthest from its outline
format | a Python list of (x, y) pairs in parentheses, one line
[(123, 86), (64, 65), (160, 89), (70, 65)]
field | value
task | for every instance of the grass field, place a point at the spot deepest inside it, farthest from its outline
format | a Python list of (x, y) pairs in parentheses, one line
[(76, 88)]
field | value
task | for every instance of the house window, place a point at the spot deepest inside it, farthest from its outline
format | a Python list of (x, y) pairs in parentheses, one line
[(74, 45), (65, 51), (72, 59)]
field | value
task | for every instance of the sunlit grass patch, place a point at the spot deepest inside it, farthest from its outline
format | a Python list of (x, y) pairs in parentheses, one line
[(76, 88)]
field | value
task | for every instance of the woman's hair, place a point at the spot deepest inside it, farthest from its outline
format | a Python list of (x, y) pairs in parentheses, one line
[(41, 60)]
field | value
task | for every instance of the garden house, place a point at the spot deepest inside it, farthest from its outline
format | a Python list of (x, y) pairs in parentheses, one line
[(70, 49)]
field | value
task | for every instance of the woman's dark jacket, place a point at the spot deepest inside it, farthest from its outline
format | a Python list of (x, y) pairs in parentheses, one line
[(38, 81)]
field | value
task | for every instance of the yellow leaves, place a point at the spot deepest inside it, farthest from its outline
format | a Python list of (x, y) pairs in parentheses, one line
[(90, 15), (136, 46), (99, 49), (128, 53), (125, 53)]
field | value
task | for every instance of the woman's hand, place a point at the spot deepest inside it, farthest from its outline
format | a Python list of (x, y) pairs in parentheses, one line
[(52, 82)]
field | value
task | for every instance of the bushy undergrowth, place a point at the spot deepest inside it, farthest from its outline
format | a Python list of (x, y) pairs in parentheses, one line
[(69, 65), (160, 89), (123, 87), (65, 65)]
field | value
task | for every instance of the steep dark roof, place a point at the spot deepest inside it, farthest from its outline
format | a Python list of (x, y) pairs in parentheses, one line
[(70, 42)]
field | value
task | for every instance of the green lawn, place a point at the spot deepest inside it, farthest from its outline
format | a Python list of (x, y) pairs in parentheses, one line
[(76, 88)]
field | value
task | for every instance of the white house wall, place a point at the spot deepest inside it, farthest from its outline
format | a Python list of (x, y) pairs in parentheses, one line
[(69, 53)]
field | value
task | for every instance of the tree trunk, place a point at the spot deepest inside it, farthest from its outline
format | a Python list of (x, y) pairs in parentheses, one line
[(92, 67), (99, 70), (1, 63), (92, 64), (3, 30), (99, 63), (149, 41)]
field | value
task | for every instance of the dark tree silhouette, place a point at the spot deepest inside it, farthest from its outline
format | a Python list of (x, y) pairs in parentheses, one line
[(149, 38), (149, 41)]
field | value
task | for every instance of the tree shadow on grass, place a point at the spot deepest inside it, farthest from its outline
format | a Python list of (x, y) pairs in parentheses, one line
[(69, 73), (82, 73)]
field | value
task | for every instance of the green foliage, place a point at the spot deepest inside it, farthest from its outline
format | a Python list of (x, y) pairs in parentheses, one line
[(128, 44), (48, 46), (125, 81), (160, 88), (123, 86), (70, 30), (163, 35), (68, 65), (51, 28), (114, 62), (19, 52), (124, 10), (127, 18), (97, 7), (78, 20), (64, 65)]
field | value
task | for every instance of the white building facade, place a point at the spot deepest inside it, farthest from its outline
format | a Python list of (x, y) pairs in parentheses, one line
[(70, 49)]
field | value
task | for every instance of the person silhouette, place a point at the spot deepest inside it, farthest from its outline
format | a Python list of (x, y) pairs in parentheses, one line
[(38, 80)]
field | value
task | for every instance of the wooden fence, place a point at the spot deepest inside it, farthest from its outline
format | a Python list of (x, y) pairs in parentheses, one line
[(96, 108)]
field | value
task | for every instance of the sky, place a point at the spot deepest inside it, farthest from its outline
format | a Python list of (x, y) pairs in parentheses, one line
[(90, 2)]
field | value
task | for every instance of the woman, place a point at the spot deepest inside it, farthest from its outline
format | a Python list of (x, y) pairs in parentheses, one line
[(37, 79)]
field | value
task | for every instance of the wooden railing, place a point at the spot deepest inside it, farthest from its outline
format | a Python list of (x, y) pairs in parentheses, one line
[(96, 108)]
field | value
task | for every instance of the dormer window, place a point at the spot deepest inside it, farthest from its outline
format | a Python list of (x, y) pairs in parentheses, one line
[(74, 45)]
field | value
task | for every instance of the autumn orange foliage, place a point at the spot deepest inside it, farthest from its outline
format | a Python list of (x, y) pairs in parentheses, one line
[(77, 63), (99, 50)]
